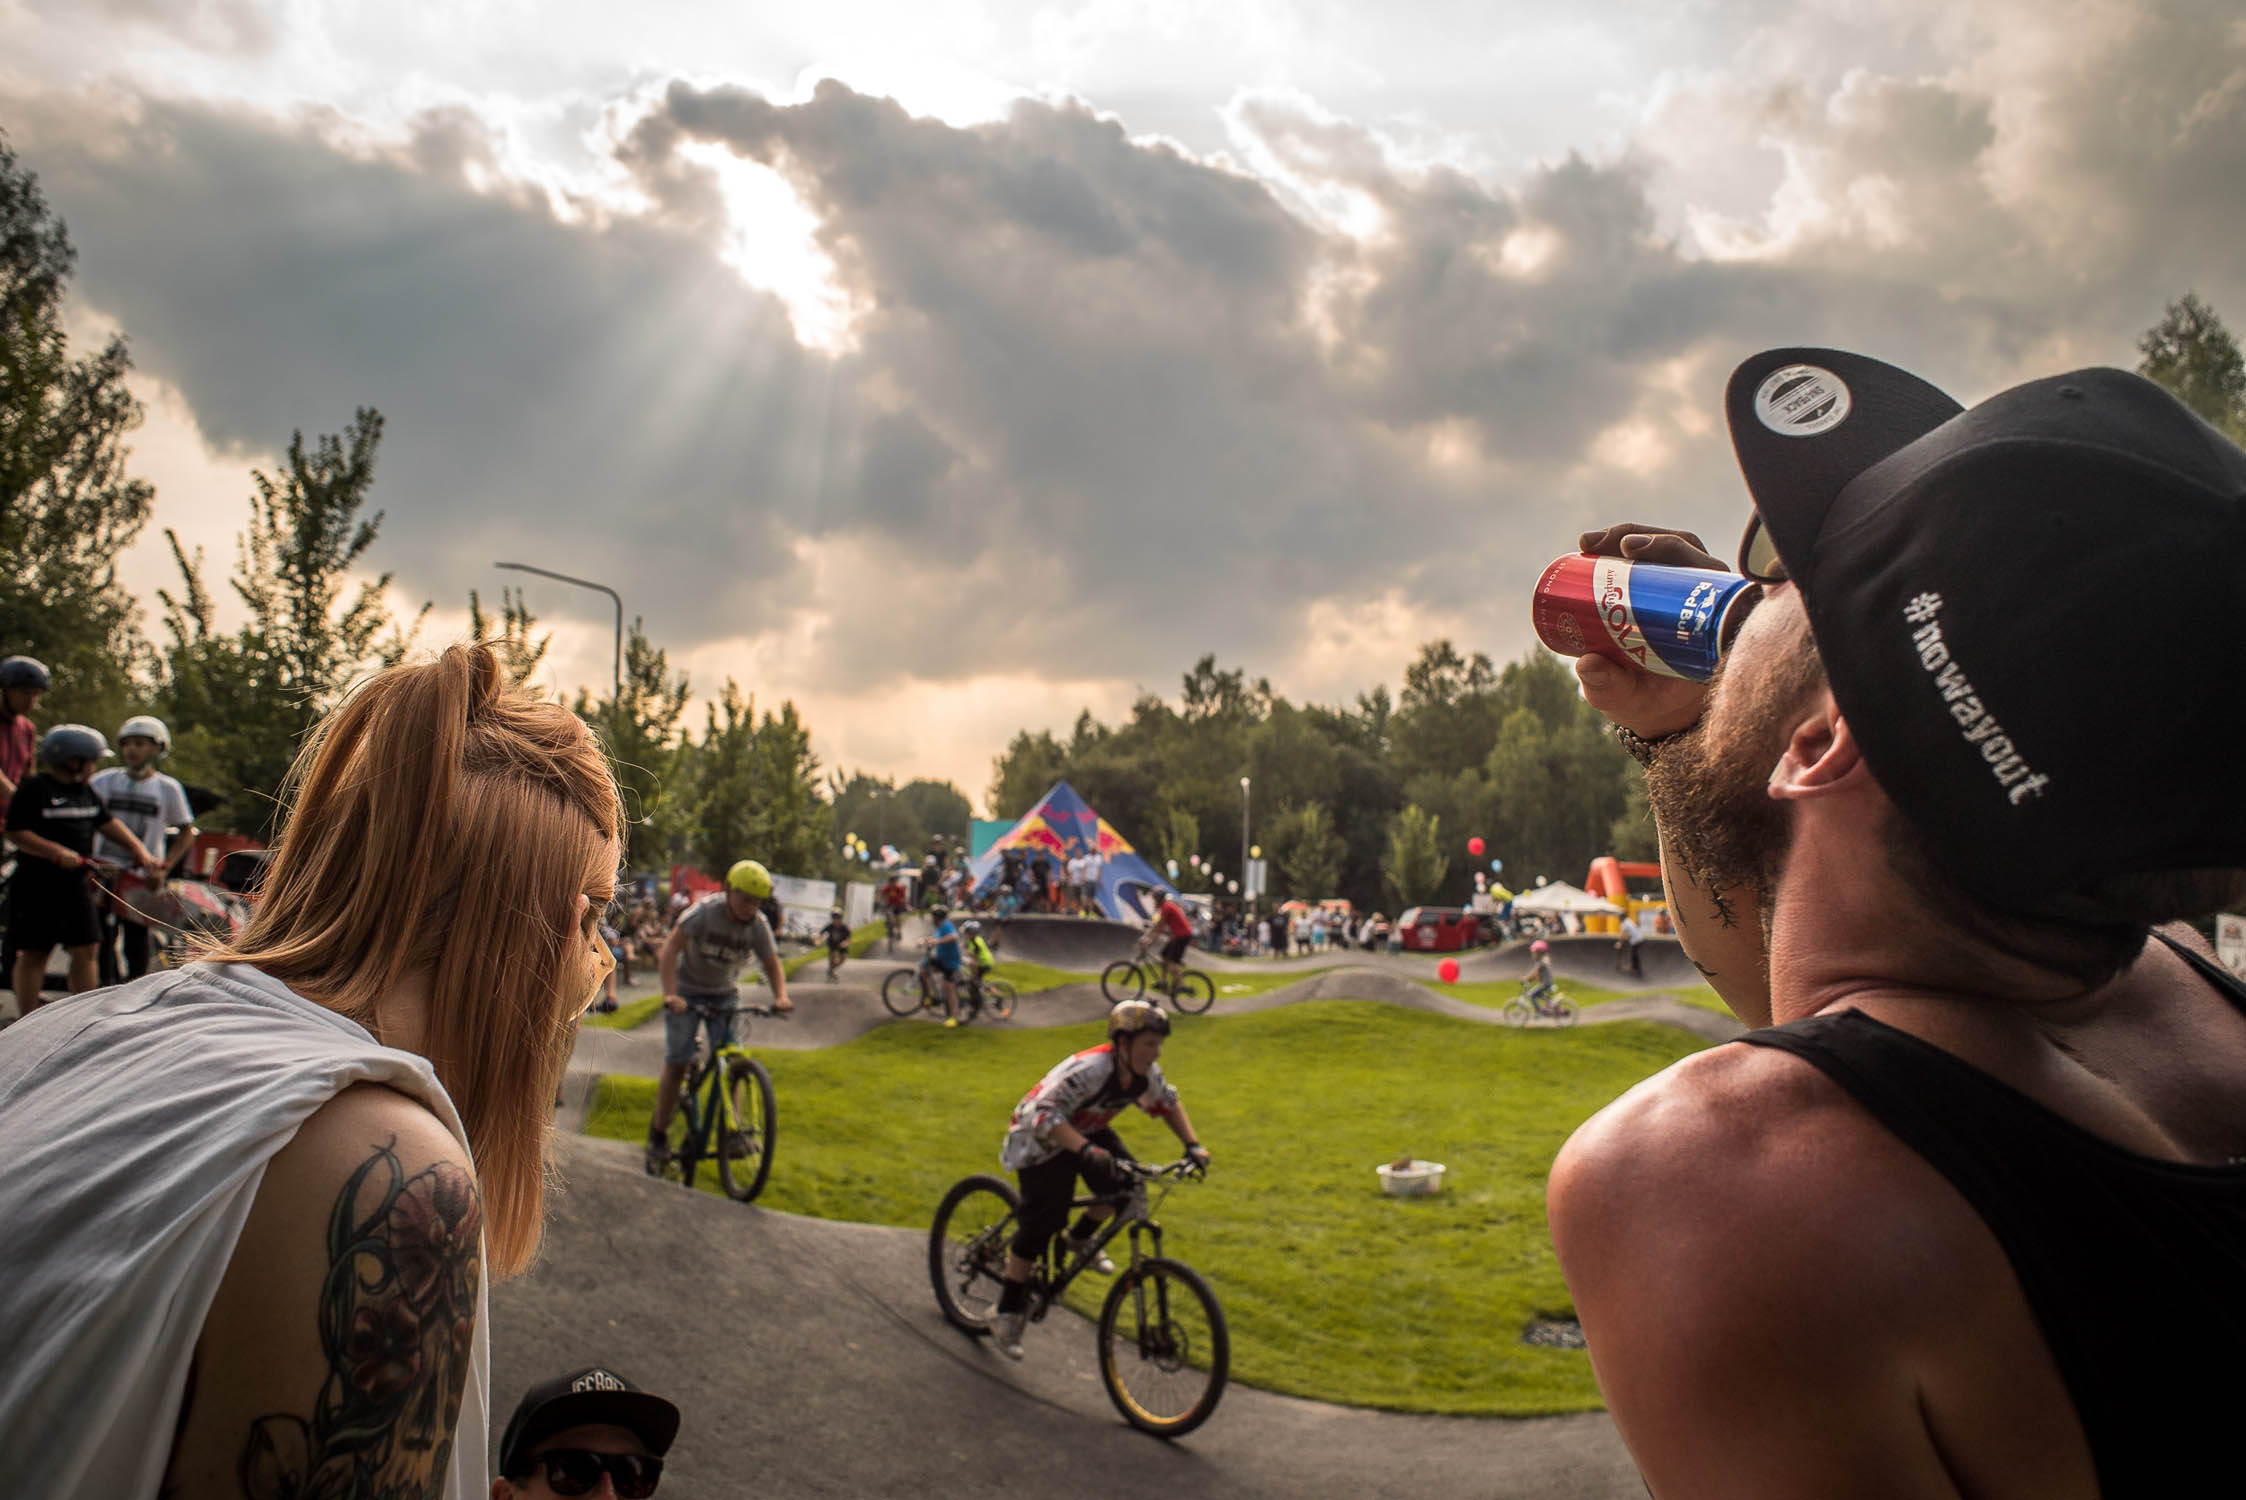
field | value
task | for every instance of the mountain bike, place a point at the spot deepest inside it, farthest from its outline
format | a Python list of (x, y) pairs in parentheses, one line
[(907, 991), (1130, 978), (1163, 1348), (1528, 1007), (725, 1111)]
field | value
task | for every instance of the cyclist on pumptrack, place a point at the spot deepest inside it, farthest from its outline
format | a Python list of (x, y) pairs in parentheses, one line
[(1175, 930), (1538, 980), (837, 937), (1060, 1131), (698, 963)]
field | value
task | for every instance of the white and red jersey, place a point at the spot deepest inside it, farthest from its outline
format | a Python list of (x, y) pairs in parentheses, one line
[(1083, 1090)]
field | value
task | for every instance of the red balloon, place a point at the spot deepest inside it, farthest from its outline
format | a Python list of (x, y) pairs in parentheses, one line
[(1447, 970), (1474, 847)]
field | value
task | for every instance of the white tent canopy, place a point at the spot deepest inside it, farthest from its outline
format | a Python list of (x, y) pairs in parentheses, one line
[(1559, 896)]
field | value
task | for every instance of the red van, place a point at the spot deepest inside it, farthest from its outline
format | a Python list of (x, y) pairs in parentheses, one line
[(1439, 929)]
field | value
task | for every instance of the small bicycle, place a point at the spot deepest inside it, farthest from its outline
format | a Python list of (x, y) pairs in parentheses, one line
[(1163, 1348), (907, 991), (1130, 978), (895, 917), (725, 1110), (1528, 1007)]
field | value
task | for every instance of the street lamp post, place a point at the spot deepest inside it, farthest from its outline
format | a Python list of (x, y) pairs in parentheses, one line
[(585, 583), (1245, 885)]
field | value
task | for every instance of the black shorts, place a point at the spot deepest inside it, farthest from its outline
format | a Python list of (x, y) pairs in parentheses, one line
[(1048, 1187), (43, 911), (1173, 951)]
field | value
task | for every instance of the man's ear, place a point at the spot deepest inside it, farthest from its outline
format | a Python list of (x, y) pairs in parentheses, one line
[(1820, 755)]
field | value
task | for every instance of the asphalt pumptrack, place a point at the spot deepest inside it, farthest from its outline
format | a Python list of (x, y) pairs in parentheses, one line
[(809, 1358)]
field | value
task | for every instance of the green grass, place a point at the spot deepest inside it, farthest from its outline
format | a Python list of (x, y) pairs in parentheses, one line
[(1332, 1290), (628, 1013)]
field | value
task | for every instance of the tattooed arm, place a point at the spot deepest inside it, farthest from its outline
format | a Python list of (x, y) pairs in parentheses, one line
[(332, 1362)]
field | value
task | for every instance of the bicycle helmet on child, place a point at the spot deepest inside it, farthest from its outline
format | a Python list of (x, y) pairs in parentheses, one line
[(66, 742), (970, 928), (749, 878), (1540, 946), (1133, 1016), (23, 671), (148, 727)]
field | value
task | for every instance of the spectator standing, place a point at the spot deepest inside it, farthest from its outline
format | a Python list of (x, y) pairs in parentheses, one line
[(327, 1132), (22, 680), (152, 805), (1626, 947), (1935, 862)]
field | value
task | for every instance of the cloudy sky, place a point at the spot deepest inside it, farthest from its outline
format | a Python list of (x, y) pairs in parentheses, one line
[(952, 366)]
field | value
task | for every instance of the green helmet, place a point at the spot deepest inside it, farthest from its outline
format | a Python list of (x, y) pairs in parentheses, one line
[(750, 878)]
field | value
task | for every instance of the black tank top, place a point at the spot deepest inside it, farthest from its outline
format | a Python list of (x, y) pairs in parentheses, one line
[(2135, 1267)]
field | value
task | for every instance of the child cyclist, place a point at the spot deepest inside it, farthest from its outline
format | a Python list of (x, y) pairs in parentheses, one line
[(837, 936), (151, 804), (943, 957), (52, 820), (1536, 984), (1174, 930), (1060, 1132)]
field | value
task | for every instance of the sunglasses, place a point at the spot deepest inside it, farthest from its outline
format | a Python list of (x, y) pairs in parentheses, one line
[(577, 1471), (1758, 554)]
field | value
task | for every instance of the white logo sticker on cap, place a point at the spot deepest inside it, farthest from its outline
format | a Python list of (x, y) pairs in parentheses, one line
[(1801, 401)]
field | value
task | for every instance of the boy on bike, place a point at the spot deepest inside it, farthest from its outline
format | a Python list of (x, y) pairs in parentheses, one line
[(837, 935), (698, 963), (1174, 929), (52, 820), (1536, 984), (1060, 1132), (151, 804), (943, 957)]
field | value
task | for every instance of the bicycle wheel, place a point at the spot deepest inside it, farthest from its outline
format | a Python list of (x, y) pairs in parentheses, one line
[(1122, 980), (1563, 1011), (998, 997), (1196, 992), (900, 992), (744, 1153), (1517, 1012), (686, 1131), (967, 1249), (1164, 1352)]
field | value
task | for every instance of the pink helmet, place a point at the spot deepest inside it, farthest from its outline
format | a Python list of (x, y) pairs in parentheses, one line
[(1540, 946)]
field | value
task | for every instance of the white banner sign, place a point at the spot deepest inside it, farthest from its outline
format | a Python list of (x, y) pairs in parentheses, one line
[(804, 904), (2230, 942)]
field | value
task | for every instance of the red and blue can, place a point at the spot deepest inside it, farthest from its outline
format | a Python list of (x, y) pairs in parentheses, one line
[(1676, 622)]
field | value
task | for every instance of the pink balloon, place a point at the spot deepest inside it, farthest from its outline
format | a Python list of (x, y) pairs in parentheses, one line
[(1474, 847), (1447, 970)]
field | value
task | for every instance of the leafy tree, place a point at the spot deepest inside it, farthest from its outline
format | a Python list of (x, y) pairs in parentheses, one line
[(720, 824), (1028, 769), (640, 729), (791, 827), (1178, 837), (67, 506), (942, 808), (510, 635), (238, 705), (1306, 852), (872, 809), (2192, 355), (1415, 864), (1446, 719)]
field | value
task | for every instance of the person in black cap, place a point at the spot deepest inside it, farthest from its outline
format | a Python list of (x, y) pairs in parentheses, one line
[(590, 1432), (1967, 1214)]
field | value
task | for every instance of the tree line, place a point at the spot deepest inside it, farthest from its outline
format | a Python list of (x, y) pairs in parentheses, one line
[(1374, 800)]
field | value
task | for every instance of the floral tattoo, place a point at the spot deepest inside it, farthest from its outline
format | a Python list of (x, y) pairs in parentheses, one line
[(397, 1316)]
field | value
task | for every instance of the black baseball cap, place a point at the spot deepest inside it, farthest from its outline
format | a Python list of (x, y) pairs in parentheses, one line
[(581, 1399), (2026, 610)]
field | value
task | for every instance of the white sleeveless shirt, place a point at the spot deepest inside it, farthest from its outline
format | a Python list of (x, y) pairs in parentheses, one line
[(135, 1127)]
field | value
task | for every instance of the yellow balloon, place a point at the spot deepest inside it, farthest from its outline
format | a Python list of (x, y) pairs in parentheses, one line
[(1255, 851)]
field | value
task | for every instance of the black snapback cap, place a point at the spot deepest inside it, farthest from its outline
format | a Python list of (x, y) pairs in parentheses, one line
[(579, 1399), (2027, 611)]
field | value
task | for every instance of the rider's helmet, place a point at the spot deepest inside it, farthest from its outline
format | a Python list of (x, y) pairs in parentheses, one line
[(1133, 1016), (148, 727), (23, 671), (939, 911), (1540, 946), (836, 912), (970, 927), (749, 878), (68, 742)]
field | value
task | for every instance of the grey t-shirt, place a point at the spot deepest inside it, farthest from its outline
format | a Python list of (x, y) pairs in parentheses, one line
[(717, 948)]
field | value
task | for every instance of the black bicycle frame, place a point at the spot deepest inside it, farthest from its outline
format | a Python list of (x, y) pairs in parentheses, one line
[(1055, 1275)]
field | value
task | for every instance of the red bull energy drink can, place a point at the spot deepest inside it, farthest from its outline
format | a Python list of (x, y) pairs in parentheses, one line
[(1675, 622)]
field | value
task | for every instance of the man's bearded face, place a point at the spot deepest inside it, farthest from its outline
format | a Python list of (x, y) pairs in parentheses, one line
[(1710, 788)]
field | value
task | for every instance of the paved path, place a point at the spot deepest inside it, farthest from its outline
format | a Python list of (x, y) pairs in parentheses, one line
[(809, 1359)]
